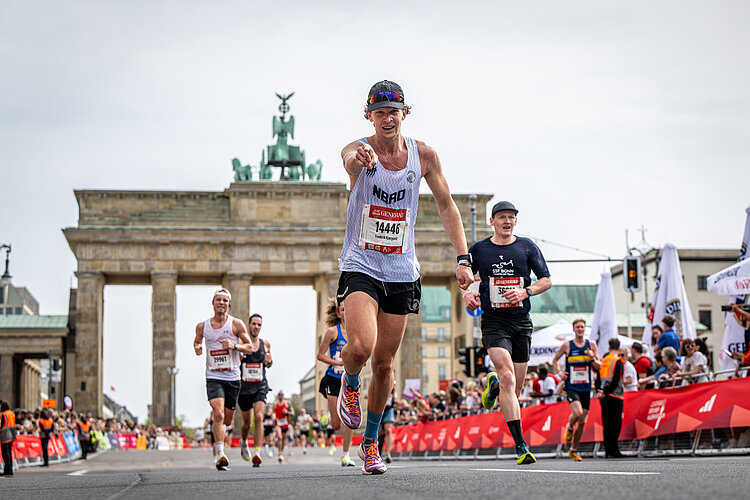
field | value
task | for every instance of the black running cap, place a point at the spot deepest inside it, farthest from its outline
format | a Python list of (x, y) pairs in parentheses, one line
[(503, 205), (385, 86)]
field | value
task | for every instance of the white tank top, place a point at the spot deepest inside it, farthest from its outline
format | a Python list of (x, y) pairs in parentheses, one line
[(380, 220), (221, 363)]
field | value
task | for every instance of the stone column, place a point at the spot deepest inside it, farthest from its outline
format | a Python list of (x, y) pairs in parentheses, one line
[(411, 349), (239, 286), (88, 395), (325, 286), (7, 380), (163, 315)]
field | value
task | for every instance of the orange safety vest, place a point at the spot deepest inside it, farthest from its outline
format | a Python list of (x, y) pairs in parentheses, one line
[(607, 371), (45, 425), (84, 431), (8, 429)]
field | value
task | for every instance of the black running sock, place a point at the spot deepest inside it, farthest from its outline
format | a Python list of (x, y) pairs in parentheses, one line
[(494, 388), (515, 431)]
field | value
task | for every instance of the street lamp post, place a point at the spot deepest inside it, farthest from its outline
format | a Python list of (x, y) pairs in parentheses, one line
[(172, 375)]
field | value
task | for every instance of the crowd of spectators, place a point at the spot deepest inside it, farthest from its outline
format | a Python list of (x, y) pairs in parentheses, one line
[(675, 362), (27, 422)]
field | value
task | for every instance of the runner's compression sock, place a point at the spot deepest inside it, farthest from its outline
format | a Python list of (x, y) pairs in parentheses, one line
[(515, 431), (219, 448), (351, 380), (373, 424)]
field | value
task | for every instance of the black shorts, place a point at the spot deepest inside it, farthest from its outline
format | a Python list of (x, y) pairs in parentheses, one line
[(267, 430), (227, 389), (330, 386), (511, 332), (251, 394), (583, 396), (392, 298), (330, 431)]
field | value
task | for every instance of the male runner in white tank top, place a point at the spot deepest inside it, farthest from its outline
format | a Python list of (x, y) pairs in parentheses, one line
[(379, 282), (225, 338)]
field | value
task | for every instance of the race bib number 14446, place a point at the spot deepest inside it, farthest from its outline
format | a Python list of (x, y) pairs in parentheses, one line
[(384, 229)]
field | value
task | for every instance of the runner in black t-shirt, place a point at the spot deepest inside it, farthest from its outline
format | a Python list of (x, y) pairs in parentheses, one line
[(505, 263)]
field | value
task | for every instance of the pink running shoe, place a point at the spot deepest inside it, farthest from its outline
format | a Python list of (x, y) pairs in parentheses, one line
[(348, 406), (368, 453)]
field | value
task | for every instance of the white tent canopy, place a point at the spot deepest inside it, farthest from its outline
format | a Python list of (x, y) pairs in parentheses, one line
[(734, 280), (546, 342)]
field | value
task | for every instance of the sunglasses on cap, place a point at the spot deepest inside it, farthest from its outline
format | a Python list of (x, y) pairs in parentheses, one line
[(385, 96)]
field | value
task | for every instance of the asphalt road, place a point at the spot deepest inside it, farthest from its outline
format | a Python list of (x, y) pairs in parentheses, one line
[(182, 474)]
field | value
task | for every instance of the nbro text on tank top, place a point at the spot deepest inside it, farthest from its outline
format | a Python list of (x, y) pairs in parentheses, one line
[(222, 363), (380, 220)]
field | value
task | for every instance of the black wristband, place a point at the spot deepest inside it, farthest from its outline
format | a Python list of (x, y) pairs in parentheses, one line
[(464, 260)]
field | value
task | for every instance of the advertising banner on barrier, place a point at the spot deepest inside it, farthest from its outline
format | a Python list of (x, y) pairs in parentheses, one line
[(654, 412)]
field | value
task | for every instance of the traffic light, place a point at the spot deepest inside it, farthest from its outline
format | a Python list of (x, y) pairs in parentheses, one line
[(631, 270), (479, 355), (467, 360)]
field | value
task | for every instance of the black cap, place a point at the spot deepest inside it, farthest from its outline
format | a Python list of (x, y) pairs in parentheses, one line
[(503, 205), (385, 86)]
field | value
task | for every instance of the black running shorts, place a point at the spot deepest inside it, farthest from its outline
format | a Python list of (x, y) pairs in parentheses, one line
[(330, 386), (392, 298), (512, 332), (583, 396), (227, 389), (251, 394)]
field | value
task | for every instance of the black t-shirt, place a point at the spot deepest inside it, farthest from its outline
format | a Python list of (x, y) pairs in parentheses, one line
[(517, 260)]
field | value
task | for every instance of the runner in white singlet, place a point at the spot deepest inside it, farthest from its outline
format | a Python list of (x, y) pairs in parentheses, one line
[(225, 338), (379, 283)]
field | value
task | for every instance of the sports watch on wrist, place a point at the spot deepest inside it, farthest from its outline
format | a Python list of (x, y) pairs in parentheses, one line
[(528, 291)]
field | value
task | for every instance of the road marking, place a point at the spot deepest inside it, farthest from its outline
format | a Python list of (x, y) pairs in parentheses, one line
[(79, 472), (593, 472)]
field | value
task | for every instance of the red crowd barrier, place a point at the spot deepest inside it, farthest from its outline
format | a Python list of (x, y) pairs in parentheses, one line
[(654, 412)]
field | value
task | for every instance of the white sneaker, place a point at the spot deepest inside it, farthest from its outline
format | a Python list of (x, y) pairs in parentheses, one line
[(222, 463), (245, 453)]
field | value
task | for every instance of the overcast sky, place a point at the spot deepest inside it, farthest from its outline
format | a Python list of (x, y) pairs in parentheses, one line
[(592, 117)]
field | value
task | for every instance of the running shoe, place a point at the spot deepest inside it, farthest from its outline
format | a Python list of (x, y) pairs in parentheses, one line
[(222, 462), (348, 406), (568, 438), (575, 456), (256, 460), (331, 450), (368, 453), (346, 461), (388, 458), (489, 396), (325, 420), (244, 452), (281, 459), (524, 455)]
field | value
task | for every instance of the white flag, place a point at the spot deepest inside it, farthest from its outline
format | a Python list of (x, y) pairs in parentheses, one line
[(604, 325), (734, 334), (670, 298)]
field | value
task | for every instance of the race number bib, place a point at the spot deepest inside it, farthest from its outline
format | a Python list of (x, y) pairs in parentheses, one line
[(579, 375), (252, 372), (219, 360), (384, 229), (338, 369), (282, 422), (498, 286)]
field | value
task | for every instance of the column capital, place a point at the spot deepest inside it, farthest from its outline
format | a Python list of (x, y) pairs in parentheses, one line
[(239, 276), (89, 274), (164, 275)]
